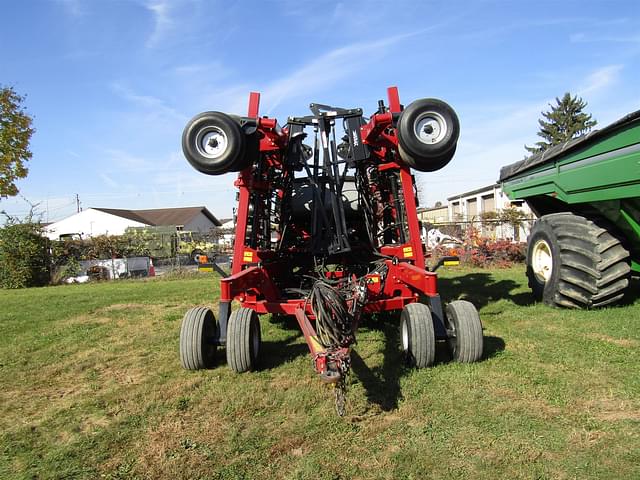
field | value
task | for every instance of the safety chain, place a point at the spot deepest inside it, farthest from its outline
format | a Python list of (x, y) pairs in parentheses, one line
[(340, 387)]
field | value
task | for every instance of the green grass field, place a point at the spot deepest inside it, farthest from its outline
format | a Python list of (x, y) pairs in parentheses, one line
[(91, 387)]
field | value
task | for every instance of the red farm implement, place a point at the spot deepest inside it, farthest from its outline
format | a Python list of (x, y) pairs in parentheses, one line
[(327, 231)]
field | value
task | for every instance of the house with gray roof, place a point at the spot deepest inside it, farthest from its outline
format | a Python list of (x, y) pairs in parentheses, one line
[(95, 221)]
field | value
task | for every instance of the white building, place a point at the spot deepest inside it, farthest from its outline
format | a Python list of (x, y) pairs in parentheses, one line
[(228, 232), (472, 207), (108, 221), (434, 215)]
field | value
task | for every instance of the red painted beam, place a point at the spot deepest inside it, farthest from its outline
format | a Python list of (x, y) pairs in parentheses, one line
[(250, 278), (394, 100), (254, 105)]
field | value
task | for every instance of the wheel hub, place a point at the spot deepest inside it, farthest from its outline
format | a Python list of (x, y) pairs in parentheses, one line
[(431, 127), (542, 260), (211, 142)]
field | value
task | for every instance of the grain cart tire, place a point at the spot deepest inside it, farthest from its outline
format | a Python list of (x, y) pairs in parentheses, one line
[(213, 143), (243, 340), (465, 328), (428, 131), (575, 263), (417, 335), (197, 348)]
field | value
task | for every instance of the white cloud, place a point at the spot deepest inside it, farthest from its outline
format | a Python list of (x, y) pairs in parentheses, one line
[(326, 70), (162, 21), (75, 8), (600, 79), (581, 37), (148, 103), (125, 162), (578, 37), (208, 69), (110, 182)]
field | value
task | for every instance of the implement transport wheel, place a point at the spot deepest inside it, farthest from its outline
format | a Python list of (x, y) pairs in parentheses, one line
[(214, 143), (197, 347), (465, 331), (243, 340), (417, 335), (428, 131), (573, 262)]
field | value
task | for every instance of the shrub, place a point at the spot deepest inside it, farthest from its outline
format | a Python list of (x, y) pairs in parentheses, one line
[(501, 253), (99, 247), (484, 252), (24, 255), (60, 272), (67, 254)]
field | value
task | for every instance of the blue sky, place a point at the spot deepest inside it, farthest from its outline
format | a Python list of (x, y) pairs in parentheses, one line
[(111, 84)]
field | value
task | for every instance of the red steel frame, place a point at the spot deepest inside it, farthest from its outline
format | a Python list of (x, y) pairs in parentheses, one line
[(407, 279)]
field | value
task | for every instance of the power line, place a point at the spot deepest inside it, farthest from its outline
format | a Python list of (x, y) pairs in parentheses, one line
[(139, 193), (61, 207)]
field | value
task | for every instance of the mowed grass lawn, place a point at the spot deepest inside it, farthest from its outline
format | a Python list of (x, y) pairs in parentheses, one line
[(91, 387)]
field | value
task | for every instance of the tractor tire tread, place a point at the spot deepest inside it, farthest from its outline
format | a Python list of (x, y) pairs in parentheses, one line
[(422, 343), (578, 263), (192, 355), (569, 277), (468, 331), (239, 355), (593, 263)]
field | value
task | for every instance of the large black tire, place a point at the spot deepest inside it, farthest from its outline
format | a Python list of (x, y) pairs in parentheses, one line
[(428, 131), (465, 330), (197, 348), (214, 143), (431, 164), (573, 262), (243, 340), (417, 335)]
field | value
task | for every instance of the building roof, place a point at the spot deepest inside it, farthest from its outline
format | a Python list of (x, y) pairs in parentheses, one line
[(431, 209), (163, 216), (474, 192), (128, 214)]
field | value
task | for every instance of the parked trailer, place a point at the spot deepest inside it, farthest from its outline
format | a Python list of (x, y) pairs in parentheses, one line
[(586, 243)]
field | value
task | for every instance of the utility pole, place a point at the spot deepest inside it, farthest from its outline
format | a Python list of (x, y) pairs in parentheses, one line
[(78, 209)]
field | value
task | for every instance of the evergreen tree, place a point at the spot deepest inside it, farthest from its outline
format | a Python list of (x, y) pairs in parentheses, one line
[(565, 120)]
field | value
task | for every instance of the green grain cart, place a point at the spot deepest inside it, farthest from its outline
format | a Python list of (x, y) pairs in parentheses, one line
[(586, 193)]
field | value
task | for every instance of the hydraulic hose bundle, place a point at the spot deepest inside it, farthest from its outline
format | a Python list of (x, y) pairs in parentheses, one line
[(334, 322)]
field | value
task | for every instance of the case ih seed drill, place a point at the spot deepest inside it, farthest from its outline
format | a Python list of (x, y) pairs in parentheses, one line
[(327, 231)]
